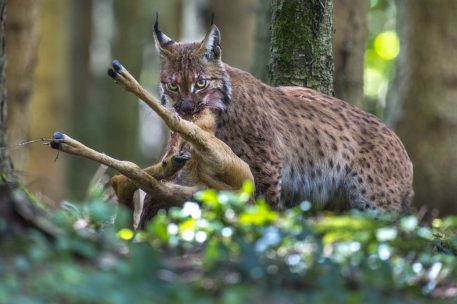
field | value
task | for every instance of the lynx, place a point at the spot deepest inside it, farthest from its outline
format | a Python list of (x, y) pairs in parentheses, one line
[(300, 144)]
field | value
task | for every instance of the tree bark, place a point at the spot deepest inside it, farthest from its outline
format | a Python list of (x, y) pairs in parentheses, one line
[(350, 36), (21, 38), (17, 212), (6, 167), (7, 212), (301, 44), (426, 81), (49, 103)]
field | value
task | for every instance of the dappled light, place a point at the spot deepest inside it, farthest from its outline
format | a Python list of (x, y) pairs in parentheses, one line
[(387, 45)]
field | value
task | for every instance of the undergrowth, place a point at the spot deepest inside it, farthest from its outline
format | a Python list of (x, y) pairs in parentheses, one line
[(221, 249)]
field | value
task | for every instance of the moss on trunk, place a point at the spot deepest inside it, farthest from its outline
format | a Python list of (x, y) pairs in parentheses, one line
[(6, 167), (301, 44)]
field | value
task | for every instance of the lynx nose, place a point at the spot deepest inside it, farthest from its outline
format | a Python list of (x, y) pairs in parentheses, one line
[(187, 106)]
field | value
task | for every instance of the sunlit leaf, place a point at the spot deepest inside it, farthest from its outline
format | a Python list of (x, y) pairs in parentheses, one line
[(159, 226), (409, 223), (373, 81), (259, 214), (387, 45), (125, 234), (209, 197), (188, 224), (386, 234), (248, 187)]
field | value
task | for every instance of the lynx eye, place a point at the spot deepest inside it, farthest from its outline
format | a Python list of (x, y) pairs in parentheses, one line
[(172, 86), (200, 84)]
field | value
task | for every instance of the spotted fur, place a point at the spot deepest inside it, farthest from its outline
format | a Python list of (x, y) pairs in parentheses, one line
[(300, 144)]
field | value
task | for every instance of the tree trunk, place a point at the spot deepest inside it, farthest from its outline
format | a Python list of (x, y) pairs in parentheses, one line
[(21, 38), (6, 167), (350, 35), (301, 44), (105, 117), (8, 213), (48, 106), (84, 122), (127, 45), (426, 86), (16, 210)]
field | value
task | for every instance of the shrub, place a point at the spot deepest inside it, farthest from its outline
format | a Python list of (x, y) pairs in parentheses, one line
[(225, 250)]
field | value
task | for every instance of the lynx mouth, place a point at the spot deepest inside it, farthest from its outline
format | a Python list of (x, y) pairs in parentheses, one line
[(187, 112)]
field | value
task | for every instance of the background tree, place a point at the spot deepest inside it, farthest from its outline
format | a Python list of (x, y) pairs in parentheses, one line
[(16, 210), (261, 59), (301, 44), (48, 107), (84, 108), (103, 114), (21, 32), (237, 37), (349, 40), (425, 85)]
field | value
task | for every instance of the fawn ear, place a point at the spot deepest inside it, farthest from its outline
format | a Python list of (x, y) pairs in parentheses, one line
[(162, 41), (210, 47)]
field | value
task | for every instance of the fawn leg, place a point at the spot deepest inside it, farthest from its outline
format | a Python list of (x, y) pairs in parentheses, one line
[(188, 130), (125, 188), (139, 177), (152, 204)]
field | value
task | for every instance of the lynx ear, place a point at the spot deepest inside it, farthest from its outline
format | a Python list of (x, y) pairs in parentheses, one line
[(210, 47), (162, 41)]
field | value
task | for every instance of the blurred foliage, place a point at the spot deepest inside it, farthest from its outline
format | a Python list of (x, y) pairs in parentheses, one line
[(382, 48), (225, 250)]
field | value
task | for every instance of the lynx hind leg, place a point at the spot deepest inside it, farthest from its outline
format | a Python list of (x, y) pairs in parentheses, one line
[(269, 185), (365, 192)]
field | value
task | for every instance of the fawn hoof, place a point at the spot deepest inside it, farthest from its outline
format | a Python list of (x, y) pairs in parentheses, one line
[(57, 144), (117, 65), (112, 73), (182, 156)]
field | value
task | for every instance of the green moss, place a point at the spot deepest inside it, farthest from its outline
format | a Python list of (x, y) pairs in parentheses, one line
[(301, 44)]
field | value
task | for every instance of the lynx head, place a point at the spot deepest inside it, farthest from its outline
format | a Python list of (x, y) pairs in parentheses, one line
[(192, 75)]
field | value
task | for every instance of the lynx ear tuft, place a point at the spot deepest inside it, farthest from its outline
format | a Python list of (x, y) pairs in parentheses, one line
[(210, 47), (161, 40), (212, 19)]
